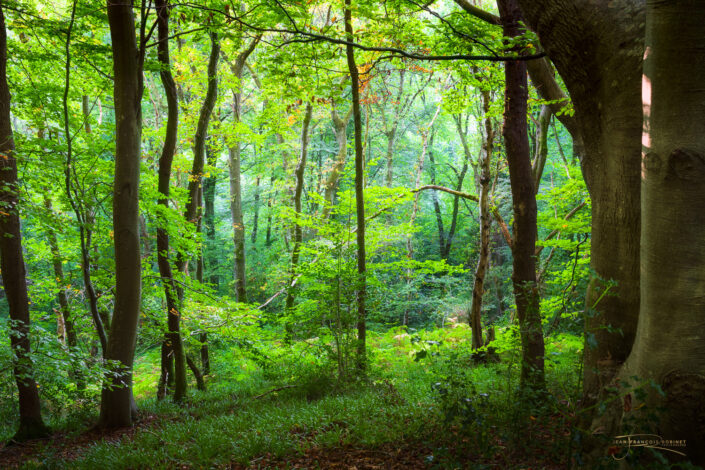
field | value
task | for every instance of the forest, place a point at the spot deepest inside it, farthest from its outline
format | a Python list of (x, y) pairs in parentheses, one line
[(352, 234)]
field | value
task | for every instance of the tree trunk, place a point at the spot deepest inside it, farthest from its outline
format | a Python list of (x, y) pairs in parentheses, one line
[(173, 360), (240, 272), (340, 126), (255, 217), (14, 274), (524, 204), (604, 84), (436, 203), (668, 347), (298, 191), (361, 288), (81, 208), (478, 288), (194, 204), (65, 311), (541, 151), (117, 407), (209, 216)]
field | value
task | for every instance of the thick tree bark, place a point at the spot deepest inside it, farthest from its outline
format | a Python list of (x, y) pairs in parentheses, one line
[(524, 204), (597, 48), (14, 274), (483, 262), (361, 288), (173, 360), (240, 266), (298, 192), (117, 407), (668, 347)]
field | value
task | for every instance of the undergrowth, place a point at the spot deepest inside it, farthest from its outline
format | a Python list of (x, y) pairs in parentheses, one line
[(422, 386)]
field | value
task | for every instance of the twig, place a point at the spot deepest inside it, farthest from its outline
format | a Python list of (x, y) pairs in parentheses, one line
[(274, 390)]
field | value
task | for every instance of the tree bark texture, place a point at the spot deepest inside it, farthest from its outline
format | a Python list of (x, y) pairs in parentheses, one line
[(117, 407), (524, 205), (14, 273), (173, 345), (361, 291), (478, 288), (597, 48), (668, 347)]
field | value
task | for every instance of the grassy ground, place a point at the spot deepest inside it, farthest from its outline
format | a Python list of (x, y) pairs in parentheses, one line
[(425, 401)]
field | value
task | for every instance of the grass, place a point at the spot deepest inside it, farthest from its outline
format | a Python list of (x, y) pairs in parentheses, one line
[(240, 418)]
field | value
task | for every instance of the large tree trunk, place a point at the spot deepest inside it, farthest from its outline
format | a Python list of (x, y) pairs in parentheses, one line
[(478, 288), (524, 204), (117, 407), (173, 357), (14, 274), (597, 48), (235, 185), (668, 347), (361, 288), (298, 192)]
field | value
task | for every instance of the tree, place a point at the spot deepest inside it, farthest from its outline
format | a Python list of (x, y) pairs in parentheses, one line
[(604, 86), (361, 291), (524, 203), (172, 346), (298, 191), (117, 406), (478, 288), (668, 344), (234, 150), (14, 274)]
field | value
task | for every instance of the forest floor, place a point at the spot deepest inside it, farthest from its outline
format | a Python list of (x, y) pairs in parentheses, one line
[(440, 412)]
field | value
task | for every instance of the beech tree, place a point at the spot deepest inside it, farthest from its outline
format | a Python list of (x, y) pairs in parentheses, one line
[(117, 406), (12, 263)]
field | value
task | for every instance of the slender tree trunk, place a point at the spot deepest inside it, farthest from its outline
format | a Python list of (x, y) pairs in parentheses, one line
[(270, 200), (173, 360), (209, 216), (478, 288), (298, 191), (193, 207), (117, 407), (84, 213), (361, 287), (668, 347), (255, 217), (14, 274), (541, 151), (436, 203), (340, 126), (240, 267), (524, 203), (65, 311)]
